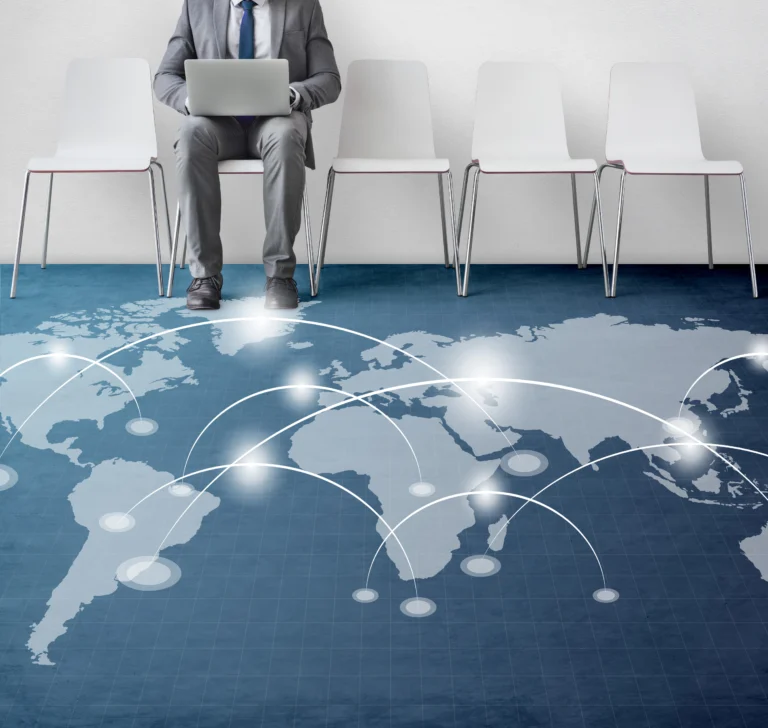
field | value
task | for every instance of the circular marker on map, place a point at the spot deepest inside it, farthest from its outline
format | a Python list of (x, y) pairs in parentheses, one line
[(148, 573), (117, 522), (365, 596), (142, 427), (181, 490), (481, 566), (524, 463), (606, 595), (8, 477), (675, 424), (422, 490), (418, 607)]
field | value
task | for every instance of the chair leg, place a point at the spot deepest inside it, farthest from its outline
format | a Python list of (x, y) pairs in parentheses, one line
[(471, 232), (44, 261), (442, 220), (752, 271), (153, 198), (23, 216), (456, 263), (463, 201), (324, 227), (618, 233), (709, 222), (174, 251), (165, 200), (576, 225), (585, 258), (183, 263), (310, 249), (601, 234)]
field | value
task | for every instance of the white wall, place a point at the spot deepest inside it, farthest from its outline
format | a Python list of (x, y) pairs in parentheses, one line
[(107, 219)]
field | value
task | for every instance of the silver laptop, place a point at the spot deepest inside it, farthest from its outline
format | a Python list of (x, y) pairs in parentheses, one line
[(238, 87)]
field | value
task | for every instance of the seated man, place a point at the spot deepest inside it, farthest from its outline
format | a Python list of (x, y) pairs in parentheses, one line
[(290, 29)]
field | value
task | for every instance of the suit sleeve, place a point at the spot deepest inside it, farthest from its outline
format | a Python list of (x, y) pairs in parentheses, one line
[(170, 83), (323, 83)]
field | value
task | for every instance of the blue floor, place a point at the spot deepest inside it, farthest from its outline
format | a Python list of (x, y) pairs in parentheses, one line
[(261, 629)]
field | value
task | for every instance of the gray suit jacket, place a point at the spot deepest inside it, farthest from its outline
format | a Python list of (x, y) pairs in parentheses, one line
[(298, 35)]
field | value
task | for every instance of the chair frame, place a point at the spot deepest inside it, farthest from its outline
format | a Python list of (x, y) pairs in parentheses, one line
[(307, 232), (325, 224), (708, 209)]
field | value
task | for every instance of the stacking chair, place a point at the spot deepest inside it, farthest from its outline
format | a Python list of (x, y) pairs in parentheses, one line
[(653, 129), (241, 166), (520, 129), (386, 128), (108, 126)]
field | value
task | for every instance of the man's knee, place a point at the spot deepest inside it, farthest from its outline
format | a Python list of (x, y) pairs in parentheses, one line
[(195, 134), (283, 140)]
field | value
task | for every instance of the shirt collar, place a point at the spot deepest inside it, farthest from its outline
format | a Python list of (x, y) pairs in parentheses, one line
[(259, 3)]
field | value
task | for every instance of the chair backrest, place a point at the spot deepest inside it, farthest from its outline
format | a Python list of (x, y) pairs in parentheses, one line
[(519, 112), (108, 109), (387, 112), (652, 113)]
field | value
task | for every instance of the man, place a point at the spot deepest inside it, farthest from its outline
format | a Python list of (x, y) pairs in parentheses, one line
[(290, 29)]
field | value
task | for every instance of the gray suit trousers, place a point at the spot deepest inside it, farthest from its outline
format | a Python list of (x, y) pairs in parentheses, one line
[(203, 142)]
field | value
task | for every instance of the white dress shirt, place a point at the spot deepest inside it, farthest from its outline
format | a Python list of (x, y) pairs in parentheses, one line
[(262, 32)]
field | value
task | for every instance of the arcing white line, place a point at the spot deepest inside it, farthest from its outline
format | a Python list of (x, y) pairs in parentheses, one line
[(349, 398)]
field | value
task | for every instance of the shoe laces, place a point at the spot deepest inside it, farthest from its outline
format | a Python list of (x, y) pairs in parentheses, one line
[(200, 282), (284, 282)]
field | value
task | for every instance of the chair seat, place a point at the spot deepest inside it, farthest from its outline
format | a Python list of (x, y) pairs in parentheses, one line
[(681, 167), (65, 163), (241, 166), (391, 166), (543, 165)]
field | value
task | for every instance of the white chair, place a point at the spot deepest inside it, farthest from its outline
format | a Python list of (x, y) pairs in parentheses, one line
[(386, 128), (108, 125), (653, 129), (242, 166), (520, 129)]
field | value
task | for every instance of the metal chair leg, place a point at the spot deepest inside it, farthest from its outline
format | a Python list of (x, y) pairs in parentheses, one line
[(157, 231), (165, 199), (618, 233), (585, 258), (471, 232), (576, 221), (310, 249), (44, 262), (324, 227), (442, 220), (174, 251), (709, 222), (601, 234), (23, 216), (463, 201), (456, 262), (752, 271)]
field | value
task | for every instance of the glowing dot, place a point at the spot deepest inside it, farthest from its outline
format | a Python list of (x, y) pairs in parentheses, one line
[(418, 607), (606, 596), (117, 522), (422, 490), (676, 424), (148, 573), (480, 566), (524, 463), (142, 427), (181, 490), (8, 477), (365, 596)]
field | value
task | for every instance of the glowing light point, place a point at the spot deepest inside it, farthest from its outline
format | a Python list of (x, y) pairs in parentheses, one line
[(422, 490), (480, 566), (181, 490), (142, 427), (117, 522), (365, 596), (524, 463), (8, 477), (606, 595), (148, 573), (418, 607), (687, 426)]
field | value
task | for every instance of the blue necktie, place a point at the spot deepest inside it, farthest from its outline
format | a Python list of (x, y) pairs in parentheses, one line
[(247, 49)]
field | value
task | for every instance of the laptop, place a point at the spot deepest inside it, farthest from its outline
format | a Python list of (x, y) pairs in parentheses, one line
[(238, 87)]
